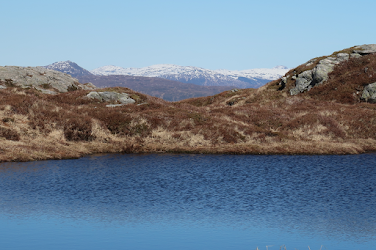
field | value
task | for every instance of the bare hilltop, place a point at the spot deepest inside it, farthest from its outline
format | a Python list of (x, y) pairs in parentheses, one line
[(324, 106)]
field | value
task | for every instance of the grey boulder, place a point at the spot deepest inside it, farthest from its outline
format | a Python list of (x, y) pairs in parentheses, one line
[(109, 96), (303, 81), (369, 93)]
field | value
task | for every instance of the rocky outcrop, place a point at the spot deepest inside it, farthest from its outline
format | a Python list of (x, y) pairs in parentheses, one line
[(40, 78), (119, 98), (321, 68), (369, 93), (365, 49)]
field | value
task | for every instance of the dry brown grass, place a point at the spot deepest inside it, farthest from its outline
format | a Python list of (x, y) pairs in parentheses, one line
[(34, 126)]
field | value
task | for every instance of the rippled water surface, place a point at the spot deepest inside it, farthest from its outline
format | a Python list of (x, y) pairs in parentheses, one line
[(156, 201)]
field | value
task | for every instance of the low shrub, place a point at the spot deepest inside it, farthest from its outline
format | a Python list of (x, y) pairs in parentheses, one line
[(8, 119), (46, 85), (9, 134), (20, 104), (72, 88), (78, 129), (9, 83), (114, 120), (76, 97)]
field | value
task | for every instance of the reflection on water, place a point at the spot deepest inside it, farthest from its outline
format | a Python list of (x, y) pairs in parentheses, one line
[(332, 198)]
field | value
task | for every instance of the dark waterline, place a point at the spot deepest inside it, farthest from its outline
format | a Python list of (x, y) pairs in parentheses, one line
[(156, 201)]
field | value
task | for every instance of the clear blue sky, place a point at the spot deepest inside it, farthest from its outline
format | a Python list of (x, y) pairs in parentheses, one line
[(236, 34)]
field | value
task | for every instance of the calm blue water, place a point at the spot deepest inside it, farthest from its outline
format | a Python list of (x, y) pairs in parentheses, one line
[(156, 201)]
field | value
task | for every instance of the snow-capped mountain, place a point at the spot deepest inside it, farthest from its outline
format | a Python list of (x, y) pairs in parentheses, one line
[(69, 67), (252, 78)]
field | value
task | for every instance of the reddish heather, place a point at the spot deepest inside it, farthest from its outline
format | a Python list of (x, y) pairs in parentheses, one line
[(328, 119)]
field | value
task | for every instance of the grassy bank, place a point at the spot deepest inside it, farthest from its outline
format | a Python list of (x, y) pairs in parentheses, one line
[(329, 119)]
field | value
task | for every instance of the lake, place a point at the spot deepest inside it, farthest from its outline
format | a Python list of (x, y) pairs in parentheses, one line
[(179, 201)]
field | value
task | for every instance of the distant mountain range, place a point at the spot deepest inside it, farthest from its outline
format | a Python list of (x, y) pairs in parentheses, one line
[(252, 78), (171, 82), (166, 89)]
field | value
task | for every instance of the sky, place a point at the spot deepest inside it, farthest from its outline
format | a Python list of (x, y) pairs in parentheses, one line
[(233, 35)]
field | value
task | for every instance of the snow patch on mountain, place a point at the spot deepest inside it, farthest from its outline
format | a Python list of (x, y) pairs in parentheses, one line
[(261, 73), (251, 78), (68, 67)]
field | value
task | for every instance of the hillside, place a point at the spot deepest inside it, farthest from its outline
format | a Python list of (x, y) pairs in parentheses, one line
[(165, 89), (324, 106)]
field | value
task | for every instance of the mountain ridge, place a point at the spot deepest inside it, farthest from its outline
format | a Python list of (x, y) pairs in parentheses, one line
[(169, 90), (251, 78), (68, 67)]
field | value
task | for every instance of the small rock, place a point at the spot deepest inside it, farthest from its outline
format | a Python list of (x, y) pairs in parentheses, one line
[(355, 55), (369, 93), (114, 105), (342, 57), (87, 86), (94, 95), (126, 100)]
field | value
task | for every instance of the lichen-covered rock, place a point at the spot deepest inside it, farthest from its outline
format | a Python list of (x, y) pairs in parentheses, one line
[(303, 81), (321, 71), (369, 93), (45, 80), (109, 96), (87, 86), (365, 49), (94, 95)]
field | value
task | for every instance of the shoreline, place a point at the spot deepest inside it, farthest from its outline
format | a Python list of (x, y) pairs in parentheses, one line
[(75, 150)]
